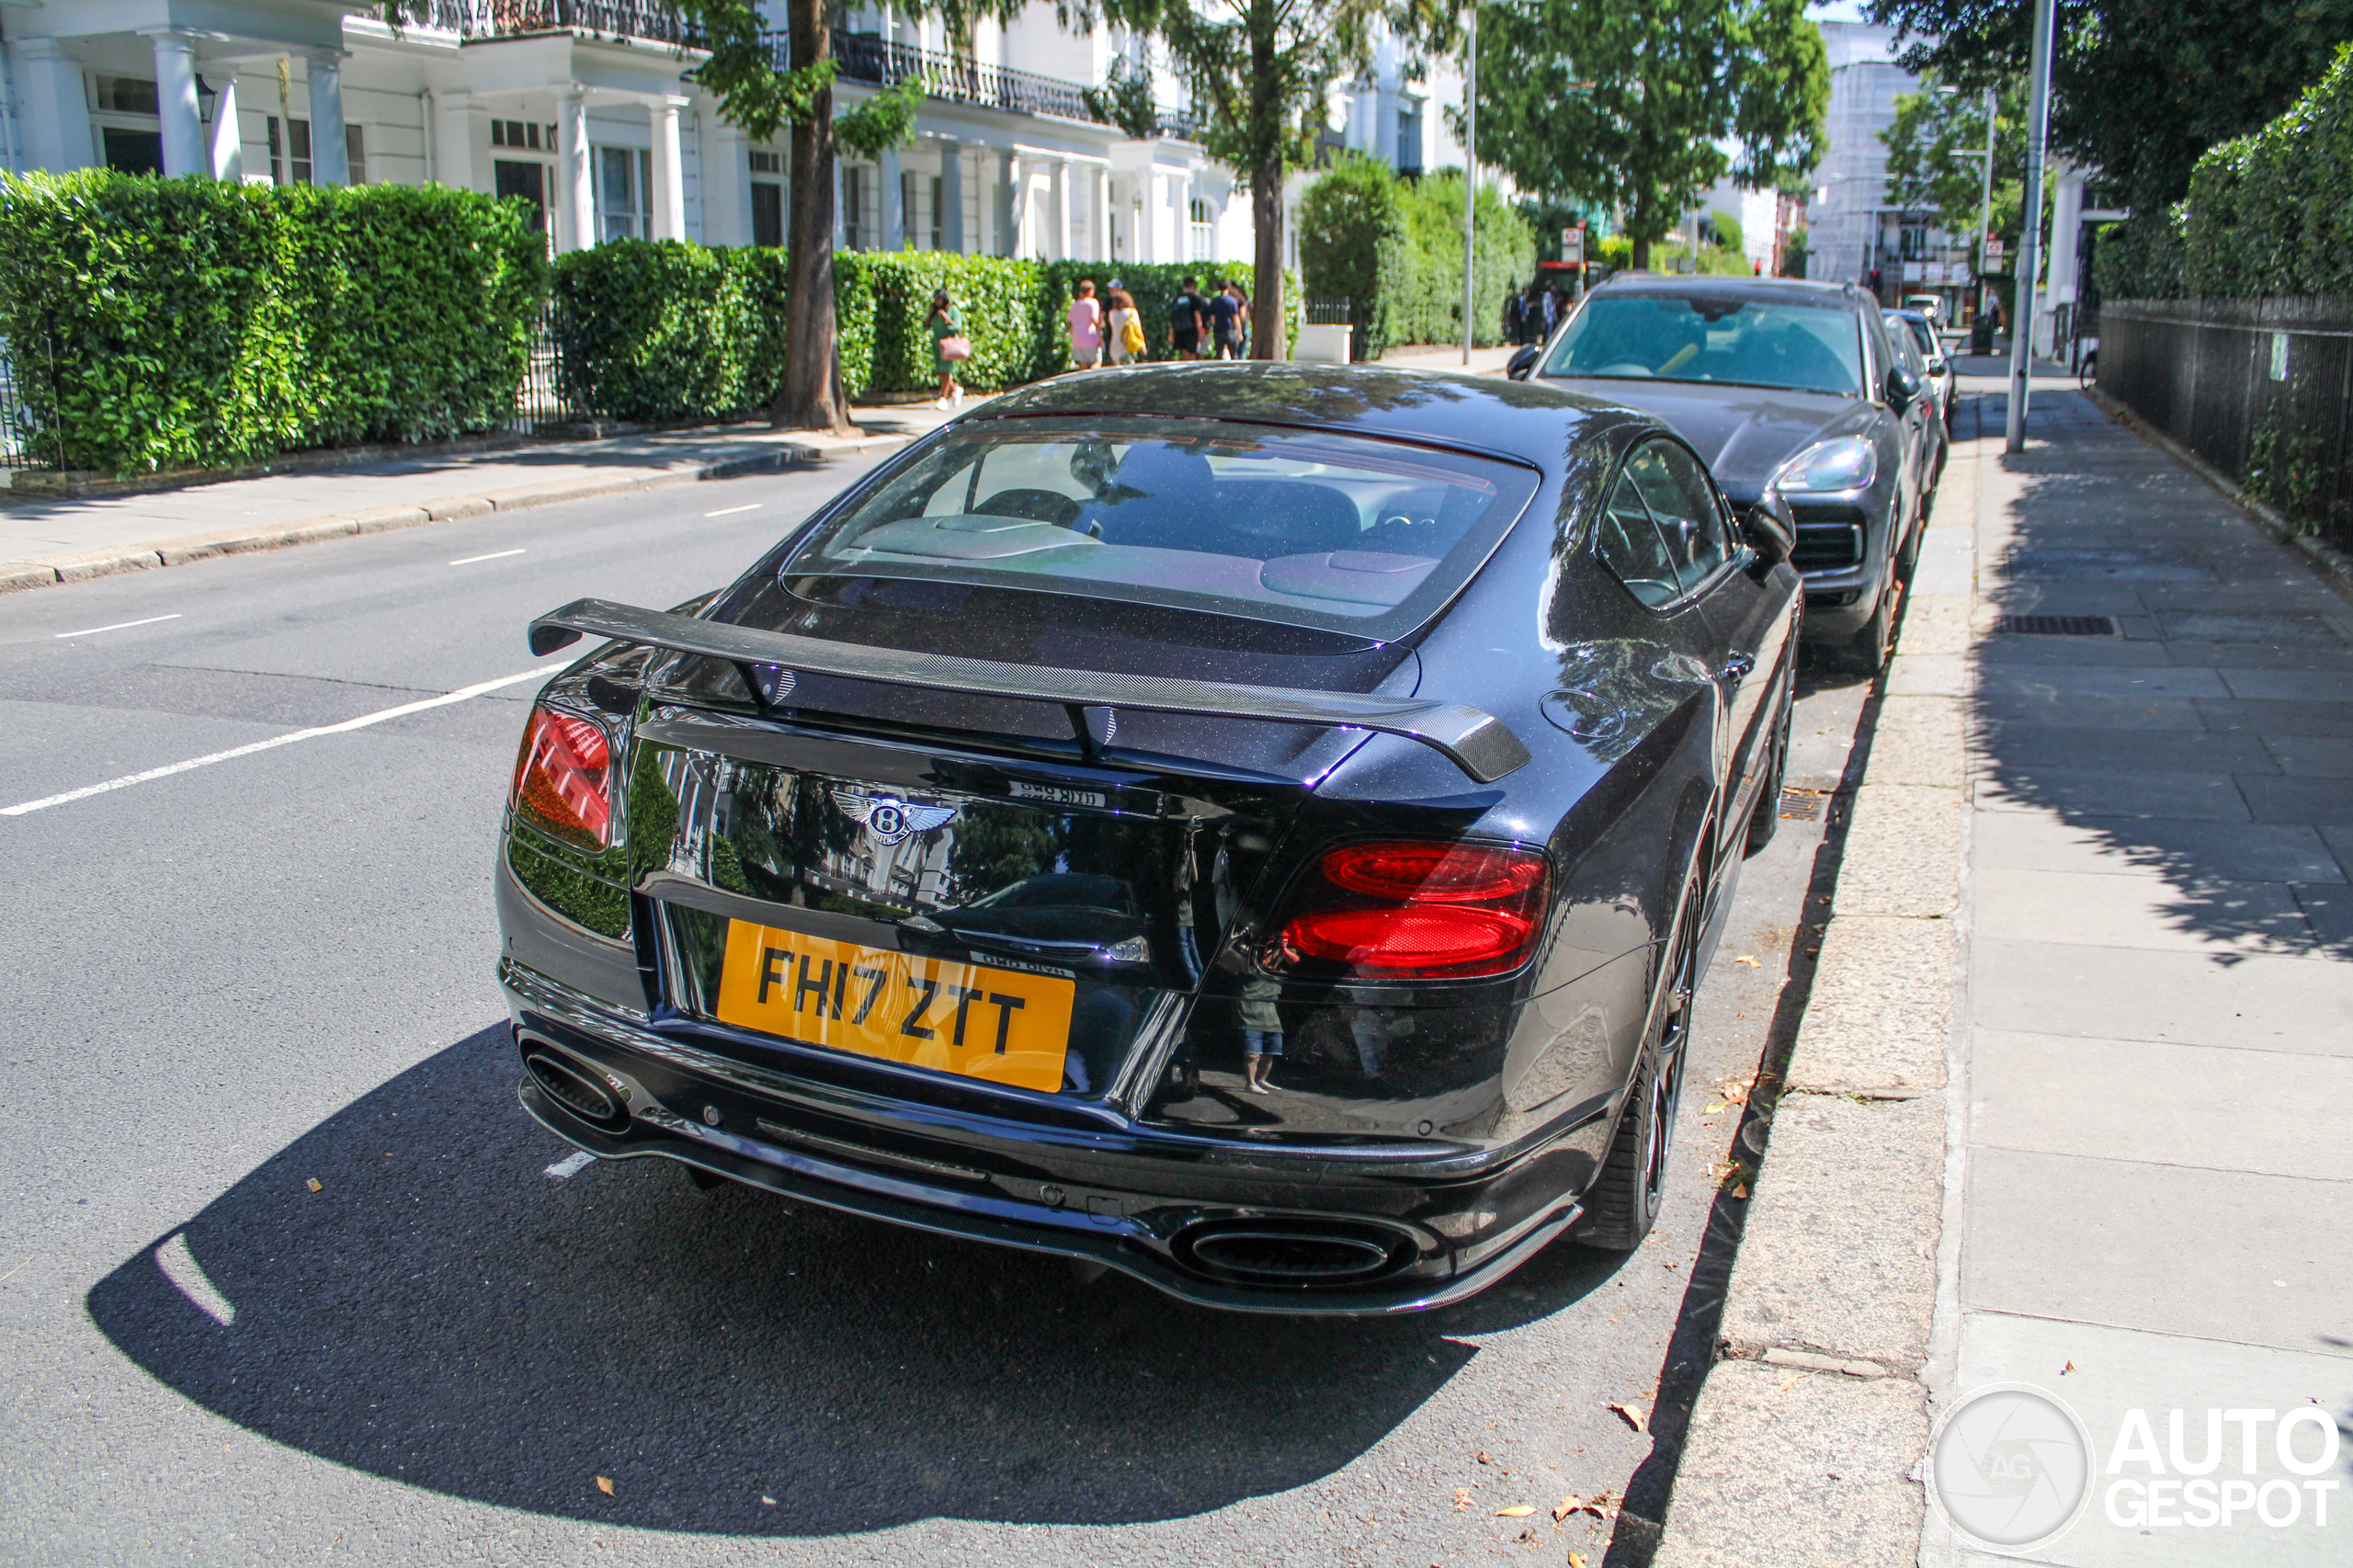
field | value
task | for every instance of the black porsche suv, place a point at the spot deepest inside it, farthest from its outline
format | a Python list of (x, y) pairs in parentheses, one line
[(1784, 385), (1258, 827)]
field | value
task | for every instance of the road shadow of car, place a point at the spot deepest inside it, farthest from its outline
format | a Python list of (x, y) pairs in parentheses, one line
[(443, 1313)]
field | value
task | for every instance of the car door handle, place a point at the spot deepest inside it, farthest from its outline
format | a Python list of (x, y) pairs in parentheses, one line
[(1737, 668)]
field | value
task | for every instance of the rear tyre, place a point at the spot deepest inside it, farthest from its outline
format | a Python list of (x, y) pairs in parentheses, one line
[(1625, 1201), (1765, 817)]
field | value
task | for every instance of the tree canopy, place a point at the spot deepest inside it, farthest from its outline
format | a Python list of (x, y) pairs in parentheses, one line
[(1623, 102), (2140, 88), (1936, 157)]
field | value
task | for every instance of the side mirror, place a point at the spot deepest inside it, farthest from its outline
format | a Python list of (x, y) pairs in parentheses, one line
[(1903, 386), (1771, 527), (1523, 364)]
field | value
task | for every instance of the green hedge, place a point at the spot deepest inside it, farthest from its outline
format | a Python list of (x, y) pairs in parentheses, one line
[(1361, 226), (190, 322), (666, 329), (2267, 214)]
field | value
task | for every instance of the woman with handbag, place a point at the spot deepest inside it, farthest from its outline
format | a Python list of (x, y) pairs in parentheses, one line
[(1122, 330), (948, 347)]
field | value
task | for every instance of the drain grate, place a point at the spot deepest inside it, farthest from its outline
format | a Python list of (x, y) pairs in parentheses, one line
[(1803, 805), (2056, 625)]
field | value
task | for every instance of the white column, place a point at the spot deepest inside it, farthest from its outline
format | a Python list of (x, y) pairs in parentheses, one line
[(895, 202), (183, 149), (576, 205), (227, 155), (669, 170), (1099, 217), (453, 139), (330, 157), (1147, 192), (726, 185), (2066, 218), (841, 238), (1058, 209), (52, 111), (1008, 205)]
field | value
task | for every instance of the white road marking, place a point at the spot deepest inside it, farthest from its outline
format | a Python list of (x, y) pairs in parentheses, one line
[(731, 511), (571, 1166), (461, 695), (118, 626), (179, 1265), (494, 556)]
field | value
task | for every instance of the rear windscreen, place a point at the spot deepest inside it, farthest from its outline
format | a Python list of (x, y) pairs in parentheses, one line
[(1304, 527)]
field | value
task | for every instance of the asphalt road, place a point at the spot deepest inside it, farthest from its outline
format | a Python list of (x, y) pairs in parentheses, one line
[(231, 982)]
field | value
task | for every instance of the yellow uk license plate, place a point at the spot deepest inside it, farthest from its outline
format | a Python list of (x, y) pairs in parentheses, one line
[(982, 1022)]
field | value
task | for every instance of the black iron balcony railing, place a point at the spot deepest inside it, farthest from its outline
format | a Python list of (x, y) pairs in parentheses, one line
[(516, 19), (879, 62)]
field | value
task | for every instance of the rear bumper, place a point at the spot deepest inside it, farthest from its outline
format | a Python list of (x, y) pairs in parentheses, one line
[(1458, 1224)]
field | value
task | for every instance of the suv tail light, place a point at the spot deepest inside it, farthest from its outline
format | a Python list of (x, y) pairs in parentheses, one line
[(1409, 910), (560, 777)]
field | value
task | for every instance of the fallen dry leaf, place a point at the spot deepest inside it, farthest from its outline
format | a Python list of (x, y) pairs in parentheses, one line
[(1712, 1107), (314, 1184), (1635, 1415), (1749, 962), (2067, 1369), (1577, 1560), (604, 1486), (1462, 1499), (1741, 1190), (1485, 1457), (1573, 1503), (1519, 1511)]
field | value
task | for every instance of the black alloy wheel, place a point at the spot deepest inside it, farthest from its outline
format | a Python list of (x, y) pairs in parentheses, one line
[(1625, 1200), (1765, 816)]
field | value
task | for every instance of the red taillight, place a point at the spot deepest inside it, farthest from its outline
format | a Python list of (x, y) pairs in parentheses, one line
[(1436, 911), (560, 777)]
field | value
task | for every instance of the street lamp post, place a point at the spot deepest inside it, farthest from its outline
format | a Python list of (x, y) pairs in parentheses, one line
[(1985, 210), (2038, 125), (1469, 176)]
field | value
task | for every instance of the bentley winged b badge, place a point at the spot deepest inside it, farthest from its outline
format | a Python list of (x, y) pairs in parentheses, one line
[(888, 820)]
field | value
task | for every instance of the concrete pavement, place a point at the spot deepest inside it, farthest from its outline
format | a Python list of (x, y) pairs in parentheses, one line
[(2101, 1154)]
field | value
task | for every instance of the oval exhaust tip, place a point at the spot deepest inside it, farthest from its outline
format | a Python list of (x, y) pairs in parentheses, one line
[(1275, 1253), (573, 1089)]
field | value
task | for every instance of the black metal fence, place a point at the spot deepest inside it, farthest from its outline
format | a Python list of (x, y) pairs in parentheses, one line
[(2261, 389), (518, 19), (872, 60), (20, 445)]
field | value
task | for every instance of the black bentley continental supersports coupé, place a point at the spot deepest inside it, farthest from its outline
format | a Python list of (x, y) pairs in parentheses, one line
[(1258, 827)]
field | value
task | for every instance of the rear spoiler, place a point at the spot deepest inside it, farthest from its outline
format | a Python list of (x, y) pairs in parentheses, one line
[(1477, 743)]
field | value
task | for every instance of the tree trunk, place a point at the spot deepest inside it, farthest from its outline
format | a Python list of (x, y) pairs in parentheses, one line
[(809, 394), (1268, 311), (1642, 253)]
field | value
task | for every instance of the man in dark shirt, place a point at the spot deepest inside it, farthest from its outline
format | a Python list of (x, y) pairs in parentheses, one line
[(1185, 321), (1224, 313)]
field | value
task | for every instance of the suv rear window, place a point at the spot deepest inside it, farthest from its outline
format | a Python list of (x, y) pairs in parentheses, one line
[(1304, 527)]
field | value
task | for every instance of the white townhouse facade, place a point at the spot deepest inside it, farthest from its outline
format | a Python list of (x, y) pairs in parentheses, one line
[(587, 108)]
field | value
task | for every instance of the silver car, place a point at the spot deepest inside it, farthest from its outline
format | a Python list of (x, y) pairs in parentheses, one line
[(1941, 375)]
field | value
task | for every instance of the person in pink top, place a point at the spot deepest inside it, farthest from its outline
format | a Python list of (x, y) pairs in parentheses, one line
[(1085, 327)]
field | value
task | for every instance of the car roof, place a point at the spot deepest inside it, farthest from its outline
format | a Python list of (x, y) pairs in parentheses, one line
[(1516, 419), (1734, 287)]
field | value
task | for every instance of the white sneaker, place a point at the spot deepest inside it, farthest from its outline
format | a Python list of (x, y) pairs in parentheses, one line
[(941, 406), (958, 401)]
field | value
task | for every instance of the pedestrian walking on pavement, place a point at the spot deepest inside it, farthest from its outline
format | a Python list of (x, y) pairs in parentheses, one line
[(1123, 329), (1188, 318), (1086, 327), (1224, 321), (1241, 319), (950, 348)]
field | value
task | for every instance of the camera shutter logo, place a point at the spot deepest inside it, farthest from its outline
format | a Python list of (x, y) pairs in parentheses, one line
[(2011, 1467), (887, 819)]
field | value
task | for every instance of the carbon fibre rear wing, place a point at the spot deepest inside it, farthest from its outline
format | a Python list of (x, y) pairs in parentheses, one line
[(1477, 743)]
